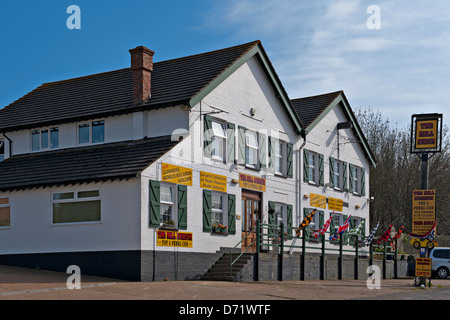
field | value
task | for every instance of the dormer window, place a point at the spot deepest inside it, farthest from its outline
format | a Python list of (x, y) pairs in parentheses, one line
[(91, 132), (47, 138)]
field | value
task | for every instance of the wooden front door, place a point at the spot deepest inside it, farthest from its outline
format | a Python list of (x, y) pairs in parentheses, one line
[(251, 211)]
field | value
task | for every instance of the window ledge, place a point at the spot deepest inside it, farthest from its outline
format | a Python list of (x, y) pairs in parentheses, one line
[(73, 224)]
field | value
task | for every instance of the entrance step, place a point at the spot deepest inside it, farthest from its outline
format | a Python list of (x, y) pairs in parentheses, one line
[(221, 270)]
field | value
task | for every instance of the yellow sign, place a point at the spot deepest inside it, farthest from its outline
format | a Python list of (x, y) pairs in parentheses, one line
[(426, 134), (176, 174), (335, 204), (317, 201), (423, 267), (213, 181), (251, 182), (167, 238), (424, 212)]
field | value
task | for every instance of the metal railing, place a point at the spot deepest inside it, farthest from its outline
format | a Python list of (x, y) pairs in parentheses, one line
[(232, 262)]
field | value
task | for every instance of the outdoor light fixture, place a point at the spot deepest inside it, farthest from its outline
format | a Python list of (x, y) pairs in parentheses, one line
[(345, 125)]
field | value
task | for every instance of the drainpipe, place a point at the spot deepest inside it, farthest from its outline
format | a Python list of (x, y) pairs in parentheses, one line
[(10, 144), (297, 186)]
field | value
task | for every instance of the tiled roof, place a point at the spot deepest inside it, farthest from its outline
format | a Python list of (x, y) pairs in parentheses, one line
[(173, 82), (121, 160), (309, 108)]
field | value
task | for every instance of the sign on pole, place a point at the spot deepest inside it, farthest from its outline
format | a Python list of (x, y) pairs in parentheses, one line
[(423, 267), (426, 133), (424, 210)]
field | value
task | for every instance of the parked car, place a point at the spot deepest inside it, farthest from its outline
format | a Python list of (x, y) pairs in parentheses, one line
[(440, 263)]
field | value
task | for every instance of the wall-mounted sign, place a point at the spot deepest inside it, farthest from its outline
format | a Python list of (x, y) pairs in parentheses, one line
[(251, 182), (213, 181), (423, 267), (176, 174), (317, 201), (167, 238), (424, 211), (335, 204), (426, 133)]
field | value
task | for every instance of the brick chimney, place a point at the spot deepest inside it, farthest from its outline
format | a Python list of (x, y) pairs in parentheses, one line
[(142, 66)]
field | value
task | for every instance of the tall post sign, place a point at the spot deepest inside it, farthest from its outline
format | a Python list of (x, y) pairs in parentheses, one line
[(426, 133)]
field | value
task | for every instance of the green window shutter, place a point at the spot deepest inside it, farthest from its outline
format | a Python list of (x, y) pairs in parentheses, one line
[(350, 179), (289, 160), (155, 197), (241, 145), (363, 182), (207, 135), (272, 219), (321, 219), (207, 210), (231, 150), (308, 229), (262, 146), (321, 170), (305, 165), (331, 172), (271, 156), (290, 219), (231, 214), (344, 174), (363, 231), (182, 207)]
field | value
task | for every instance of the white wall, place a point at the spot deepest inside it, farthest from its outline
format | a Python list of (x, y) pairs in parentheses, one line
[(246, 88), (32, 230)]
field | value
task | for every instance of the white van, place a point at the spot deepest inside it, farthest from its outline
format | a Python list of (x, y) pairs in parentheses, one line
[(440, 263)]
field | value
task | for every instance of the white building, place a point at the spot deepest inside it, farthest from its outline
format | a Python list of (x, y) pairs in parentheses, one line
[(129, 173)]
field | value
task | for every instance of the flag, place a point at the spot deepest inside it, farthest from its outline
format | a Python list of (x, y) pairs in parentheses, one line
[(324, 228), (372, 234), (341, 229), (385, 236), (357, 230), (397, 235), (429, 235), (305, 223)]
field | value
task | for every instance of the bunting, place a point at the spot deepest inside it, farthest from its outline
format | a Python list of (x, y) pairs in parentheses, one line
[(429, 235), (305, 223), (324, 228), (385, 236), (372, 234), (341, 229)]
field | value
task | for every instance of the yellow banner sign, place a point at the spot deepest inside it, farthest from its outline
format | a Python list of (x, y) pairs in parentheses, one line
[(335, 204), (423, 267), (167, 238), (426, 134), (213, 181), (251, 182), (424, 210), (318, 201), (176, 174)]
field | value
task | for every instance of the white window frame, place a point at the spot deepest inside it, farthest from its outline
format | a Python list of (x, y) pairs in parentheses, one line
[(251, 148), (2, 149), (6, 205), (313, 167), (90, 125), (172, 204), (356, 180), (340, 220), (280, 212), (75, 199), (338, 172), (49, 139), (216, 211), (281, 157), (219, 135)]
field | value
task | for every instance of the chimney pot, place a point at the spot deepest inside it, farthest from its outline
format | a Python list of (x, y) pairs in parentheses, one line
[(142, 67)]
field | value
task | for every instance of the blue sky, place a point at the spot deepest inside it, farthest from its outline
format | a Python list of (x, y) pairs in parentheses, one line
[(315, 46)]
